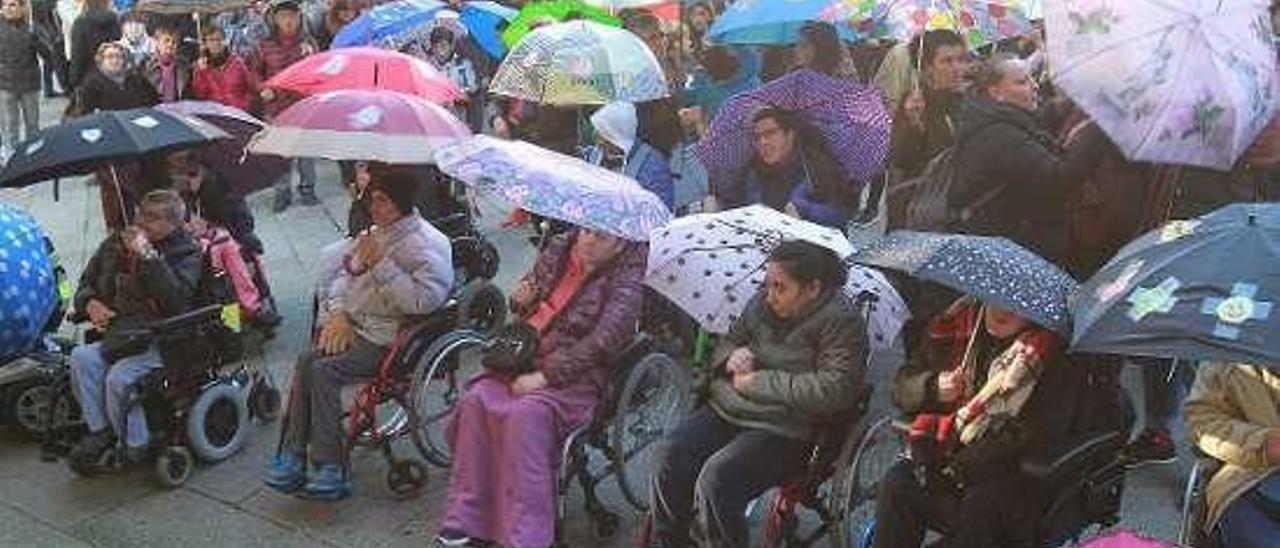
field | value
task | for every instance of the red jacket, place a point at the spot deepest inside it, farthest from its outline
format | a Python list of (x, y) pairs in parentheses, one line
[(273, 55), (230, 84)]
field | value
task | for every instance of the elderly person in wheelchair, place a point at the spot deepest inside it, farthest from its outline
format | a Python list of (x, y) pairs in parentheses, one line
[(146, 272), (400, 268), (793, 361), (1233, 416), (583, 298)]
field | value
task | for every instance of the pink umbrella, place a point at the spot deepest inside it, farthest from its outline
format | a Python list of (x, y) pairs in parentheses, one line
[(382, 126), (1126, 539), (366, 69)]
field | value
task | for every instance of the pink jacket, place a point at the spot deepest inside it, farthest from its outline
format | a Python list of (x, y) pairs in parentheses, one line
[(231, 84)]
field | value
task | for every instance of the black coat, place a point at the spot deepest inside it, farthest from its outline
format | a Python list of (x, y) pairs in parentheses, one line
[(1006, 161), (137, 289), (90, 30), (97, 92), (19, 67)]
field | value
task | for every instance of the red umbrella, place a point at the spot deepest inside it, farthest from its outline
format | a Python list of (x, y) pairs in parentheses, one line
[(382, 126), (367, 69)]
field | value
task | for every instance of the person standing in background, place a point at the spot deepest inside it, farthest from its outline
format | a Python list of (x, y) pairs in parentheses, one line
[(48, 28), (19, 74), (95, 25)]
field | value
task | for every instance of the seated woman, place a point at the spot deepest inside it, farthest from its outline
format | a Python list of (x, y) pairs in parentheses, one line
[(1233, 415), (584, 298), (401, 268), (793, 360), (986, 388)]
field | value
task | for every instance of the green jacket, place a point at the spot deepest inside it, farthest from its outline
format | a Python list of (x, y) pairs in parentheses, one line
[(809, 369)]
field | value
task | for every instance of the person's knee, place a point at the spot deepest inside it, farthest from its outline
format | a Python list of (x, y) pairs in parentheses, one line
[(85, 358), (119, 382)]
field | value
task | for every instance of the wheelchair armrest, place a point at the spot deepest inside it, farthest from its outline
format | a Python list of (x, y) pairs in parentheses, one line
[(188, 320), (1051, 466)]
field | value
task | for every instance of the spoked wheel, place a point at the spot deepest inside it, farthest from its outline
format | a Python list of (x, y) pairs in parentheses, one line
[(36, 408), (857, 483), (653, 400), (391, 419), (438, 383)]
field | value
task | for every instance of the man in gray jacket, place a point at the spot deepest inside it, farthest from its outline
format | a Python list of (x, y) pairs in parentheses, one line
[(402, 267)]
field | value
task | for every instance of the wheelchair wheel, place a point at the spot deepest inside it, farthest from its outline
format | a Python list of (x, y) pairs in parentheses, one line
[(34, 408), (481, 307), (438, 383), (1191, 531), (217, 422), (174, 466), (653, 400), (857, 482)]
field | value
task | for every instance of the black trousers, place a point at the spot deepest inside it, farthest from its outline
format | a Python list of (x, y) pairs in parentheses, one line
[(998, 513), (716, 468)]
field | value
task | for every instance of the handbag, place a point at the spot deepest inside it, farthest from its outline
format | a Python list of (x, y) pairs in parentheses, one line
[(124, 337), (512, 351)]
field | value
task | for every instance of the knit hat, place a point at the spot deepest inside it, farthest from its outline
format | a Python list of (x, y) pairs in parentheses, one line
[(616, 122), (399, 186)]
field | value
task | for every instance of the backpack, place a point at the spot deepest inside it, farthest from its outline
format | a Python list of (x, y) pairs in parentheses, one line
[(929, 206)]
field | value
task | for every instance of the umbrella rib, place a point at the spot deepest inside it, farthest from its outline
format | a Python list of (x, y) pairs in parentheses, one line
[(1064, 69)]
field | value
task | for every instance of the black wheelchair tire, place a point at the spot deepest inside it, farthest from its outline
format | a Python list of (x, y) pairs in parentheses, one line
[(28, 407), (221, 398), (174, 466), (634, 485), (433, 367)]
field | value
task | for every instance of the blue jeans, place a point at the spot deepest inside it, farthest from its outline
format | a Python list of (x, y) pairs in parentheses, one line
[(103, 390), (1252, 521)]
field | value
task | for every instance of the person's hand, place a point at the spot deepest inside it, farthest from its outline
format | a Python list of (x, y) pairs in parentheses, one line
[(528, 382), (197, 225), (913, 105), (740, 362), (366, 253), (524, 294), (267, 94), (950, 386), (743, 380), (99, 314), (136, 242), (337, 335), (202, 63), (1271, 447)]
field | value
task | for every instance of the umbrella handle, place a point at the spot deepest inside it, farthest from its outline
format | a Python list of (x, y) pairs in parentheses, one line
[(115, 180)]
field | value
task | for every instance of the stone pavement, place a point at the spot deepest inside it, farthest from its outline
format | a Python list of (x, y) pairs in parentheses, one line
[(225, 505)]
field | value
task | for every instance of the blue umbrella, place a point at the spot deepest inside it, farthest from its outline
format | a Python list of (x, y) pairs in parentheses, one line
[(28, 290), (1204, 289), (484, 21), (771, 22), (993, 270), (386, 21)]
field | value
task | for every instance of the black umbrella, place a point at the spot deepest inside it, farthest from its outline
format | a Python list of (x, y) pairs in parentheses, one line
[(994, 270), (243, 172), (1203, 289), (87, 143)]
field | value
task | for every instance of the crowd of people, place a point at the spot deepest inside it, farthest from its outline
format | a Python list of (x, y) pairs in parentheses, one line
[(1025, 163)]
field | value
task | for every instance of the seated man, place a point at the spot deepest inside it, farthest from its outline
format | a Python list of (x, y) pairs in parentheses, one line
[(986, 389), (1233, 415), (144, 273), (401, 267), (584, 298), (792, 361)]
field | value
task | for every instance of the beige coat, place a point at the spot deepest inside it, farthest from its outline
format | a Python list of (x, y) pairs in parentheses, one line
[(1228, 413)]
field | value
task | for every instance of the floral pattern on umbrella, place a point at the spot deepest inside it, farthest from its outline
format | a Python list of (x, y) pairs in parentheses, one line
[(553, 185), (980, 22)]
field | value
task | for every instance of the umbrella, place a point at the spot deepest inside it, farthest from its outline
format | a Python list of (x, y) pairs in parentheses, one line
[(84, 144), (711, 264), (367, 69), (981, 22), (1189, 82), (28, 289), (535, 14), (484, 21), (1125, 539), (993, 270), (756, 22), (183, 7), (851, 119), (1202, 289), (580, 63), (554, 185), (382, 126), (386, 21), (243, 173)]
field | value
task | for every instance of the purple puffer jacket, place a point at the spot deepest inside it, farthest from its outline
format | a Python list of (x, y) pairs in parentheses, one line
[(598, 322)]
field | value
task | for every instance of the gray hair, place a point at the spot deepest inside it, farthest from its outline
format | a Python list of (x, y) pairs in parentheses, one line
[(167, 201)]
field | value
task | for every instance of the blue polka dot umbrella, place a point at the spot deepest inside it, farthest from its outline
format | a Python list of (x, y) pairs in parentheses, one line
[(28, 289), (1200, 289)]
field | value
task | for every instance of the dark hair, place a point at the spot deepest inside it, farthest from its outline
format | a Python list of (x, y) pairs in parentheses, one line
[(827, 50), (167, 29), (783, 117), (441, 34), (720, 63), (400, 184), (774, 62), (657, 124), (805, 262), (934, 40)]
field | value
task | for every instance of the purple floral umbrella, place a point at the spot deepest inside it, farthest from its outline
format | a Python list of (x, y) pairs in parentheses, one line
[(243, 173), (850, 118)]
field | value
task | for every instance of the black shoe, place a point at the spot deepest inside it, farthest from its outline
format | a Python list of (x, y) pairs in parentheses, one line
[(1152, 446), (91, 447)]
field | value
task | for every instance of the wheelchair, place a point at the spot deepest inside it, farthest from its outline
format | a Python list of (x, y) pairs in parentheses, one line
[(1191, 531)]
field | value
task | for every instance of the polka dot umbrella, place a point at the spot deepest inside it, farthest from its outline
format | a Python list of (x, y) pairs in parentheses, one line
[(28, 290)]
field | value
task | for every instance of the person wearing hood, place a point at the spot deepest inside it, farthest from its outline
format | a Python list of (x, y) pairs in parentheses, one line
[(618, 147), (221, 76), (95, 25), (1012, 178)]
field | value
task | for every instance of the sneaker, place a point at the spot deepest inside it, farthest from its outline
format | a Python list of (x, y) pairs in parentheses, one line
[(330, 483), (286, 474), (91, 447), (308, 198), (1152, 446), (283, 199), (450, 537)]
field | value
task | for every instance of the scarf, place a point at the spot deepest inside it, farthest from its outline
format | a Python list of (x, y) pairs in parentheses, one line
[(168, 86)]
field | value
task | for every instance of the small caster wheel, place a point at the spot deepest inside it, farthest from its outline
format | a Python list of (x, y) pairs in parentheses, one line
[(406, 478), (174, 466), (264, 401), (605, 525)]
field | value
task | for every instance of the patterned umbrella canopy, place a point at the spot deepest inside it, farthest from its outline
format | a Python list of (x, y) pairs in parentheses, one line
[(1203, 289), (553, 185), (981, 22), (28, 289), (535, 14), (580, 63), (850, 118), (367, 69), (993, 270), (1189, 82)]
